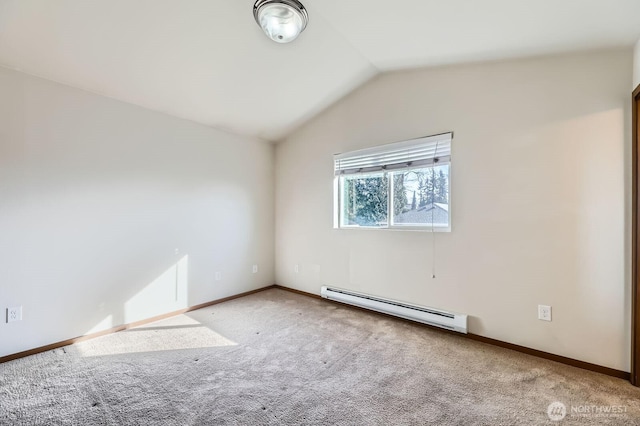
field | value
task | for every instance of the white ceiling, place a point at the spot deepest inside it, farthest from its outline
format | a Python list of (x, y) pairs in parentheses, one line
[(208, 61)]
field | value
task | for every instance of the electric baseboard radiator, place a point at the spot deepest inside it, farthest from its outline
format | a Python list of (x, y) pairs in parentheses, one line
[(435, 317)]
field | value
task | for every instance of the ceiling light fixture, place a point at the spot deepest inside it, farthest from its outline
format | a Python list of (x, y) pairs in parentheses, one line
[(281, 20)]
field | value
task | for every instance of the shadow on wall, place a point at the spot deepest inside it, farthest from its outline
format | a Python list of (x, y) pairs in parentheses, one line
[(167, 293)]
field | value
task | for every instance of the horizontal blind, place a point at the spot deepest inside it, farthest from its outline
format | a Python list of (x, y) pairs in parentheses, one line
[(412, 153)]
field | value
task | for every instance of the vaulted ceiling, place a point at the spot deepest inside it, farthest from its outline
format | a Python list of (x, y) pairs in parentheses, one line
[(208, 61)]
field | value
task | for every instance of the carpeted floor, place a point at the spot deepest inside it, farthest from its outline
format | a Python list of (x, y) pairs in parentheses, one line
[(280, 358)]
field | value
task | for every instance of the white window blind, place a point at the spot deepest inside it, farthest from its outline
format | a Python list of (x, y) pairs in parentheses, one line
[(412, 153)]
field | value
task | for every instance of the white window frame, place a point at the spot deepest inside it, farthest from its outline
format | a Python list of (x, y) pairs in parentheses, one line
[(341, 203), (414, 154)]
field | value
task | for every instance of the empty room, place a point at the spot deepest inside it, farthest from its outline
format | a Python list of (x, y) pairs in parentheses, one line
[(319, 212)]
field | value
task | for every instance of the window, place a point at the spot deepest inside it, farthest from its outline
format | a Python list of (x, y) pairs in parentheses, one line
[(400, 186)]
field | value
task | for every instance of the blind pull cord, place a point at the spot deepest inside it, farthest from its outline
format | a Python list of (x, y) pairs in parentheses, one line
[(433, 207)]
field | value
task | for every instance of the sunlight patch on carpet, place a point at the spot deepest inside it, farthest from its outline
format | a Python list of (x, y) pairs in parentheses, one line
[(180, 332)]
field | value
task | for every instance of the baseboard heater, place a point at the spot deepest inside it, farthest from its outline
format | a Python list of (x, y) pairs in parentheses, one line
[(449, 320)]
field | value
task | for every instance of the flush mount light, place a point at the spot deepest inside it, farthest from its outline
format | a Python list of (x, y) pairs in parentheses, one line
[(281, 20)]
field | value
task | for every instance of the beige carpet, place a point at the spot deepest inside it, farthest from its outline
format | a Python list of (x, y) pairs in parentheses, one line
[(279, 358)]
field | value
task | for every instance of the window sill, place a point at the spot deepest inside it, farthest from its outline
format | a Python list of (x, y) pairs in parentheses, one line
[(392, 228)]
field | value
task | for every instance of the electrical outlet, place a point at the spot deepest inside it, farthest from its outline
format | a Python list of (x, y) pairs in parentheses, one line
[(296, 268), (544, 312), (218, 276), (14, 314), (255, 269)]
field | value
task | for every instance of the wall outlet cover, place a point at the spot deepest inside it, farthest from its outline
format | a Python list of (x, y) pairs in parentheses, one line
[(14, 314), (544, 312)]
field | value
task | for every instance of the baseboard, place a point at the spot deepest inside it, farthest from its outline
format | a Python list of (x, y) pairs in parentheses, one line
[(68, 342), (523, 349)]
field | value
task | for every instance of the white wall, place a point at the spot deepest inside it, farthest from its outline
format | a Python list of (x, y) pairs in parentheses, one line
[(539, 192), (636, 65), (97, 195)]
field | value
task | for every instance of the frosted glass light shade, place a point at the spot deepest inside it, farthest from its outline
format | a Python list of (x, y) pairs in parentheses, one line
[(281, 20)]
